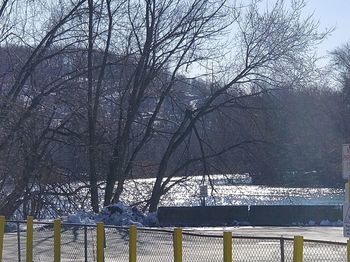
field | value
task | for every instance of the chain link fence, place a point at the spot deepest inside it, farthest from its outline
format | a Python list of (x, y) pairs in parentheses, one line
[(78, 243)]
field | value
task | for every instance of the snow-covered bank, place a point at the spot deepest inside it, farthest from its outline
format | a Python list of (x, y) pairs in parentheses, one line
[(117, 214)]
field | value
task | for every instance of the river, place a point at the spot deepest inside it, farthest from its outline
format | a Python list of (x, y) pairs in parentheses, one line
[(234, 190)]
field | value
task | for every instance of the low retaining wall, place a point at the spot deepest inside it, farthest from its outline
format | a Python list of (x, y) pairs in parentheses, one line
[(202, 216), (269, 215), (293, 215)]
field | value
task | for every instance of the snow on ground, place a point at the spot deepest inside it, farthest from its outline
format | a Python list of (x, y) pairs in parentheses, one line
[(117, 214)]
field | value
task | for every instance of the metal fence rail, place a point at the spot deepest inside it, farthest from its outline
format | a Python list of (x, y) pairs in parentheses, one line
[(39, 241)]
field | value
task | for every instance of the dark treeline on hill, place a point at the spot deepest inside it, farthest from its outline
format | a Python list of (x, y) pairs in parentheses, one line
[(97, 95)]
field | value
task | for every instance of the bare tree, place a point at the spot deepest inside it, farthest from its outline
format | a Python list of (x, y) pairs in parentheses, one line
[(26, 93), (94, 96), (341, 58), (271, 44), (164, 37), (119, 87)]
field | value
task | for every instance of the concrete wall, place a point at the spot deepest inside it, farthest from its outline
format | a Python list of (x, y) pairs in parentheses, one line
[(287, 215), (202, 216), (273, 215)]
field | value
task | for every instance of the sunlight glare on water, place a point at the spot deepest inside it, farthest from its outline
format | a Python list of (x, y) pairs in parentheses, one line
[(226, 192)]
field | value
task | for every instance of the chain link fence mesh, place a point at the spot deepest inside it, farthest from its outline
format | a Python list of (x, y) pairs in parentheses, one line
[(10, 243), (73, 243), (288, 246), (257, 249), (78, 243), (116, 244), (197, 247), (42, 243), (155, 245), (324, 251)]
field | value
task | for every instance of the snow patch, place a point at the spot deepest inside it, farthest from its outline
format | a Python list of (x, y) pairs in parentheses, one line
[(325, 222), (312, 223), (117, 214), (10, 227), (81, 217)]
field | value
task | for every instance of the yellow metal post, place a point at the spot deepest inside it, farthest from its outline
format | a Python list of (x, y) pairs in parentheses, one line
[(177, 241), (298, 249), (29, 246), (227, 246), (132, 243), (2, 231), (100, 242), (57, 240)]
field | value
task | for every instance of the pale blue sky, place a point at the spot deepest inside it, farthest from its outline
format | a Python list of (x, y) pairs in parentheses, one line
[(332, 13)]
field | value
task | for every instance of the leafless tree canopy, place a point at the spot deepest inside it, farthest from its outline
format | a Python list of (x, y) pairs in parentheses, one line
[(94, 93)]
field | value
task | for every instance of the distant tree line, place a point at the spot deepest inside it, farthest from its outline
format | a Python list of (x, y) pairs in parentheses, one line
[(94, 93)]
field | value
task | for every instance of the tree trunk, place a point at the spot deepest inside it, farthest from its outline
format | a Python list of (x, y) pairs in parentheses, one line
[(156, 195), (119, 190), (93, 179), (91, 119), (110, 182)]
